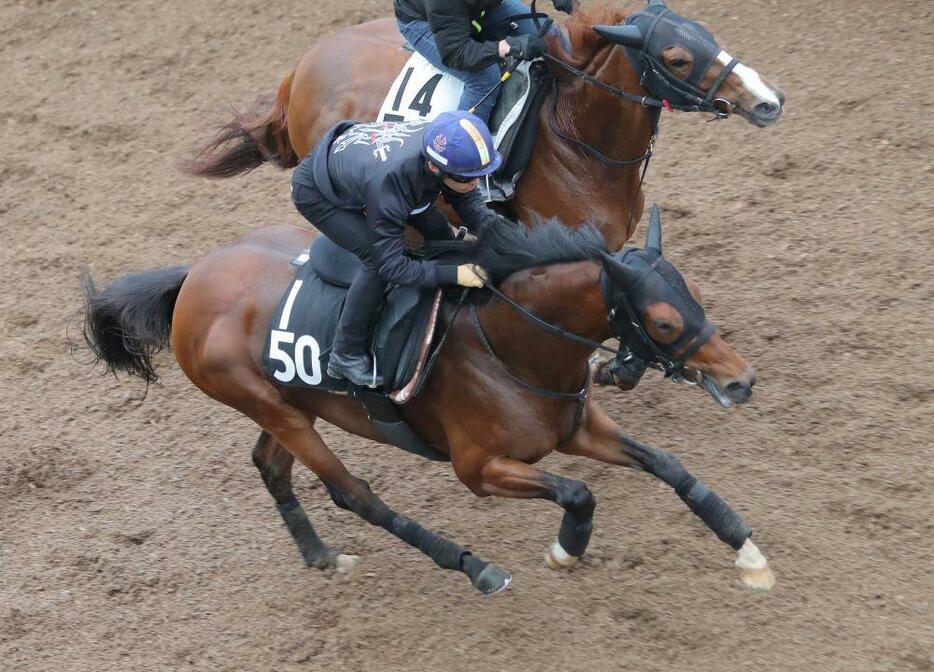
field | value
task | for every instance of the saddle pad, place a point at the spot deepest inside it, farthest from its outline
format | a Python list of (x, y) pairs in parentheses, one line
[(300, 333), (422, 92)]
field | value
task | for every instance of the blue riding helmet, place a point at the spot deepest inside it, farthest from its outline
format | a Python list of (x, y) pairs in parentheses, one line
[(460, 144)]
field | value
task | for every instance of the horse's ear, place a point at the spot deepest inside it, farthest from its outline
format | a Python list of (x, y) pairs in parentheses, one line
[(621, 275), (626, 35), (660, 3), (654, 238)]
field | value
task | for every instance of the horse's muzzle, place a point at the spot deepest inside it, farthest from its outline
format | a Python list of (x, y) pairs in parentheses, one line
[(739, 392), (735, 392), (767, 113)]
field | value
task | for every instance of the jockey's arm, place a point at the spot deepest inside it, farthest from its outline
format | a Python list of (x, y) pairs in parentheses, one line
[(451, 24), (474, 212), (387, 209), (432, 224)]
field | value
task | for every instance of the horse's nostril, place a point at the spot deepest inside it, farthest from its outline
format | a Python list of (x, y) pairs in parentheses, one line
[(738, 392), (767, 110)]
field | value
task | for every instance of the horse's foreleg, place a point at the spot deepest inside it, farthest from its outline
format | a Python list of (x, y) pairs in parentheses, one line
[(601, 439), (506, 477), (275, 466)]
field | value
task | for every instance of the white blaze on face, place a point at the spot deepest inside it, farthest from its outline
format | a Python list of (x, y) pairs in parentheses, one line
[(751, 81)]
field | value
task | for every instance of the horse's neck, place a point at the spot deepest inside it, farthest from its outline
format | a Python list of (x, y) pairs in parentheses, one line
[(590, 189), (619, 128), (566, 295)]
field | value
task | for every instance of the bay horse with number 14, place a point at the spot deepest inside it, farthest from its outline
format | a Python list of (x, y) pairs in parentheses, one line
[(510, 384), (595, 129)]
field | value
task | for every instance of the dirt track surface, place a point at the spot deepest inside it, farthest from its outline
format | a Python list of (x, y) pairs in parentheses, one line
[(139, 537)]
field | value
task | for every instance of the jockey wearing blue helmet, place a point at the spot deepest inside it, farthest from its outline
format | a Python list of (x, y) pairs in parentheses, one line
[(460, 146), (363, 183)]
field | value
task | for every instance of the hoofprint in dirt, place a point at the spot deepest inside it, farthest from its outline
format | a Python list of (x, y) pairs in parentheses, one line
[(139, 537)]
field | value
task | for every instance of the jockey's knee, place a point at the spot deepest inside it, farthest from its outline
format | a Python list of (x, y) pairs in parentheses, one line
[(478, 83)]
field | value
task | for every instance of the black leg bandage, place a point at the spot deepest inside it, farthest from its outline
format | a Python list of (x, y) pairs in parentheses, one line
[(445, 553), (578, 504), (574, 535), (488, 578), (707, 505), (313, 550), (704, 502)]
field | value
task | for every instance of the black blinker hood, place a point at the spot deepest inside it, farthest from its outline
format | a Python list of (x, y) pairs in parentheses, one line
[(657, 281), (661, 28)]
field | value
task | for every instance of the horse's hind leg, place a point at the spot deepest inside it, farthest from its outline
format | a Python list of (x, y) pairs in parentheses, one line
[(275, 466), (485, 576), (295, 431)]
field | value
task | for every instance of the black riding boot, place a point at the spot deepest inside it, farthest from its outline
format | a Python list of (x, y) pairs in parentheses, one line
[(350, 358)]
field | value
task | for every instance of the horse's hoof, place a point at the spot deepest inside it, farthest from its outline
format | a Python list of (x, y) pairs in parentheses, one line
[(557, 558), (492, 580), (344, 563), (754, 569), (758, 579)]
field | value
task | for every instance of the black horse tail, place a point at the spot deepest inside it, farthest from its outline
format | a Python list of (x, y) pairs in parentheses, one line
[(250, 139), (130, 320)]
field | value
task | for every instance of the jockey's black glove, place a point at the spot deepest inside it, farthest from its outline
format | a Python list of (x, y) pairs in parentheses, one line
[(566, 6), (526, 47)]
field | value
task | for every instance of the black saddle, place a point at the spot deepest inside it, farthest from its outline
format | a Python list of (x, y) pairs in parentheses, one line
[(299, 337)]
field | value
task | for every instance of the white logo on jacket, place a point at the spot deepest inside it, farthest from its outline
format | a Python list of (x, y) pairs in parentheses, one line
[(380, 135)]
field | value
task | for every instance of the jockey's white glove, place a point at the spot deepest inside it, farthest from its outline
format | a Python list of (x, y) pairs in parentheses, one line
[(471, 275)]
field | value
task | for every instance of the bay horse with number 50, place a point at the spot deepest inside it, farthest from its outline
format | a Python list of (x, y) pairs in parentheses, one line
[(510, 384), (594, 130)]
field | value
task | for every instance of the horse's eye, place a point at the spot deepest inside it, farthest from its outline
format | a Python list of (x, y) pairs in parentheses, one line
[(679, 63), (661, 325)]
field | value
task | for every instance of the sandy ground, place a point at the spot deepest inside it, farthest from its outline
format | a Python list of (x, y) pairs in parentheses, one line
[(139, 537)]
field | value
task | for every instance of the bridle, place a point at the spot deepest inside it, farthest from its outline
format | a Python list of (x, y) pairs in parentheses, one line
[(624, 323), (720, 107), (653, 66), (669, 358)]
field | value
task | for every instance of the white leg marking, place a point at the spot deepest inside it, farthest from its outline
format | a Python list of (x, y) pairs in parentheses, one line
[(751, 80), (558, 558), (344, 563), (754, 568)]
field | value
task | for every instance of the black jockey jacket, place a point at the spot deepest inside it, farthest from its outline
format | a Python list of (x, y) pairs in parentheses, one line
[(450, 21), (378, 168)]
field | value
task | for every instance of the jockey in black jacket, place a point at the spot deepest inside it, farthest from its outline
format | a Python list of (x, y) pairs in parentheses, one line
[(363, 183), (462, 37)]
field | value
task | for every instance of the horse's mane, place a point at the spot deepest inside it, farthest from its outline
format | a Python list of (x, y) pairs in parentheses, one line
[(503, 249), (579, 28)]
